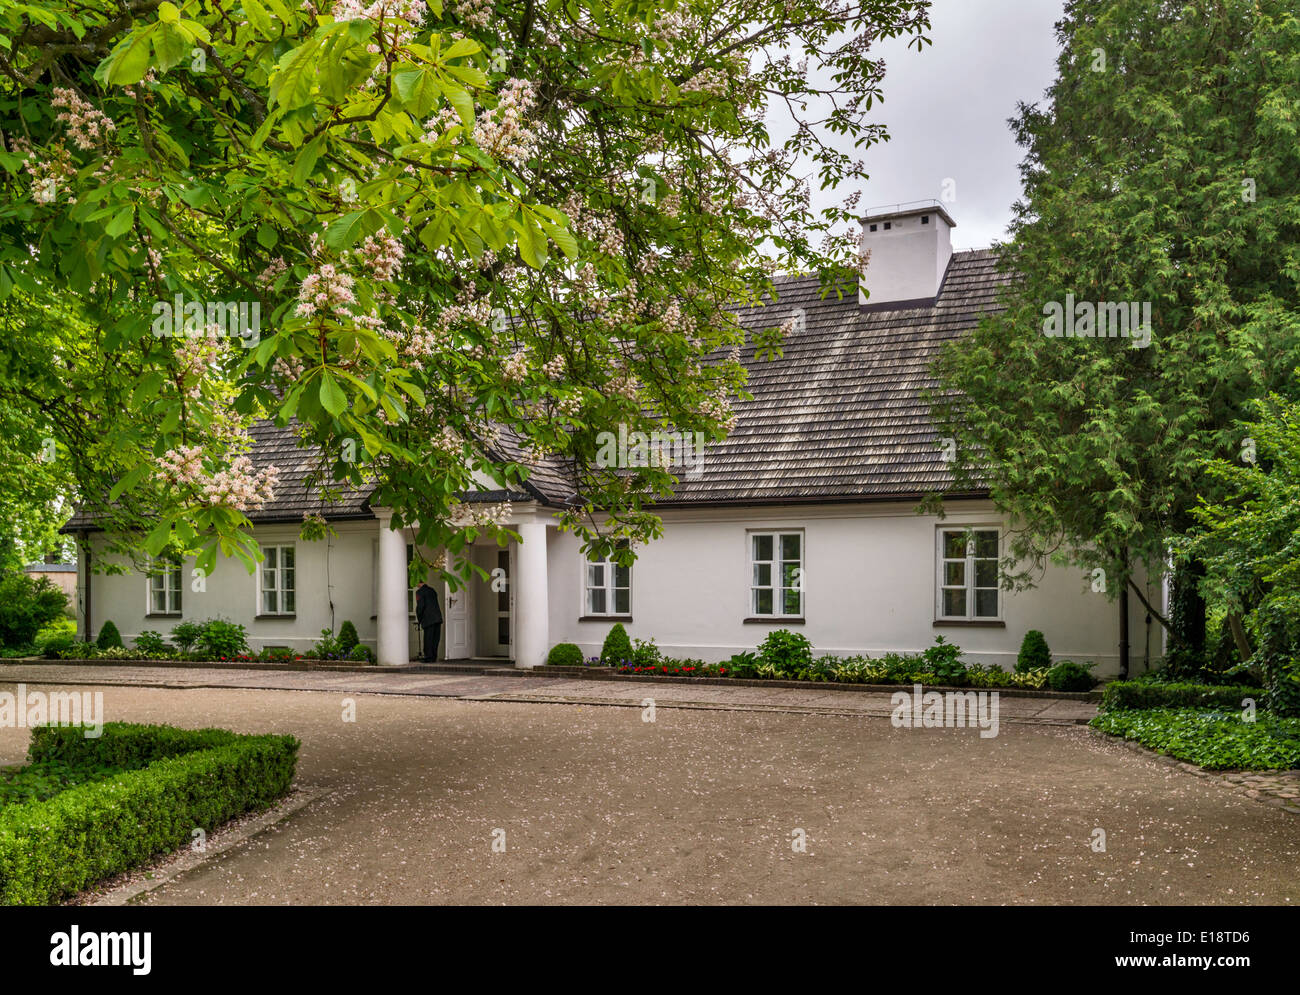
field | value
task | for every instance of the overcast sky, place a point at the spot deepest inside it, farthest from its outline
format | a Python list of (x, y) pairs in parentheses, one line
[(946, 109)]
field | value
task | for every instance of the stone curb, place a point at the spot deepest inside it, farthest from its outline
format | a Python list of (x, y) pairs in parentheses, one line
[(1217, 776), (174, 865), (532, 698)]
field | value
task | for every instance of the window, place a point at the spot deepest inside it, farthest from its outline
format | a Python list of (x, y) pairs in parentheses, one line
[(925, 219), (277, 581), (888, 225), (165, 587), (968, 574), (873, 227), (776, 569), (609, 587)]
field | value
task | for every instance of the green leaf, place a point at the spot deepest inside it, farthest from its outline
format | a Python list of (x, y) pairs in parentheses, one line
[(127, 481), (462, 46), (121, 222), (129, 61), (306, 161), (332, 398)]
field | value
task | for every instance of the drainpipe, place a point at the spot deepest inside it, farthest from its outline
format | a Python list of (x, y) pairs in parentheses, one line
[(85, 599), (1123, 633)]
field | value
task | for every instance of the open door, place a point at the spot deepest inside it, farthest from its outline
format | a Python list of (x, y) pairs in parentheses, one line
[(457, 631)]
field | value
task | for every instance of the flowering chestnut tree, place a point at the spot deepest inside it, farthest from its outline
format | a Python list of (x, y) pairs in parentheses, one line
[(460, 238)]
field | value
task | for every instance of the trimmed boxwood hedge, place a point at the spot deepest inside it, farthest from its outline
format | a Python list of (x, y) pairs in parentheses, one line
[(1139, 694), (564, 655), (177, 781)]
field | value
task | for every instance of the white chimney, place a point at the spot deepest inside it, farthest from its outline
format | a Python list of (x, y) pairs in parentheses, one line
[(910, 248)]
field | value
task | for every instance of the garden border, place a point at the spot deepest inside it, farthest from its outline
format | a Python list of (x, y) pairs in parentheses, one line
[(1221, 777), (587, 673), (604, 674)]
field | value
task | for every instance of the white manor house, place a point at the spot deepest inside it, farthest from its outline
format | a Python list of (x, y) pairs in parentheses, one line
[(822, 474)]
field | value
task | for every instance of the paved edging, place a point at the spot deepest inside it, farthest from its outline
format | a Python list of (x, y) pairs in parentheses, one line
[(1233, 780), (790, 708), (179, 862)]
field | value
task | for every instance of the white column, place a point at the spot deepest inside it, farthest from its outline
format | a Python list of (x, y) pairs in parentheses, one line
[(390, 614), (532, 621)]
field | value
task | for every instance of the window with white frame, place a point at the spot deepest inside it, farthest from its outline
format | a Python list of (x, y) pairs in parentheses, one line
[(608, 587), (165, 586), (277, 585), (968, 574), (776, 574)]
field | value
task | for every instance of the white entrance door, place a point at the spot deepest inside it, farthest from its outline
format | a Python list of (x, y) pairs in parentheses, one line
[(457, 631)]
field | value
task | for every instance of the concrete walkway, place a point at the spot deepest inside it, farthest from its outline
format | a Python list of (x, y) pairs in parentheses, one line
[(496, 687)]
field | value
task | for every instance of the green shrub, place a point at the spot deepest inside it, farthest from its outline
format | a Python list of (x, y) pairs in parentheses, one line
[(125, 745), (617, 648), (150, 643), (742, 665), (784, 653), (1034, 652), (186, 635), (221, 639), (645, 653), (58, 847), (1070, 676), (61, 634), (117, 653), (564, 655), (1147, 694), (361, 652), (1210, 739), (348, 637), (108, 636), (943, 659), (79, 651), (26, 606)]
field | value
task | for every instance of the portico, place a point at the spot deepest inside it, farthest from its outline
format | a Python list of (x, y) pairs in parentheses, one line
[(515, 595)]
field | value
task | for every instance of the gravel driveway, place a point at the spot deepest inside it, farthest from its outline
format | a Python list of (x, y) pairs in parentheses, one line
[(595, 805)]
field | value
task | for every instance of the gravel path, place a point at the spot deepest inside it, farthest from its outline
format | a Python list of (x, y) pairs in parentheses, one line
[(702, 805)]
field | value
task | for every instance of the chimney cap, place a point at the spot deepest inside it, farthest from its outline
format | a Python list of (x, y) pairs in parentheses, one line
[(887, 212)]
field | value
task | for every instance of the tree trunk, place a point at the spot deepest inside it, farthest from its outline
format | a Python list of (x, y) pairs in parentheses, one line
[(1239, 637)]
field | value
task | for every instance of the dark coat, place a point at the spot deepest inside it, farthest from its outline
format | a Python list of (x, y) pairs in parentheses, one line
[(427, 610)]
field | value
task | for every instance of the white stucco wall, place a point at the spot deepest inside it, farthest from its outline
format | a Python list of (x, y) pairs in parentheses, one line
[(870, 579), (337, 571), (869, 569)]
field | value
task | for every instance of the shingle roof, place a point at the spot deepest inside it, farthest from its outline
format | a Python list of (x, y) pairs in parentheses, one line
[(838, 417)]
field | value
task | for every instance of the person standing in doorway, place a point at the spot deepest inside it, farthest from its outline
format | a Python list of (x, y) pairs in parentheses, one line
[(429, 614)]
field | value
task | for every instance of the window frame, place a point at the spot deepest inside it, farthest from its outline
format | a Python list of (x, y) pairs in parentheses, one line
[(171, 566), (777, 563), (280, 587), (969, 584), (609, 588)]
